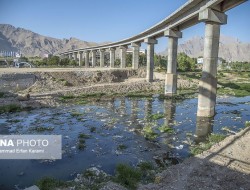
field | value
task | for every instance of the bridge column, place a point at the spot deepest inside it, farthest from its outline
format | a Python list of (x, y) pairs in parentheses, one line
[(75, 56), (80, 58), (112, 57), (171, 76), (102, 57), (208, 82), (150, 58), (123, 56), (93, 58), (86, 58), (136, 52)]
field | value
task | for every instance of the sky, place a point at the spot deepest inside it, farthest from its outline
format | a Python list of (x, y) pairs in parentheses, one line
[(109, 20)]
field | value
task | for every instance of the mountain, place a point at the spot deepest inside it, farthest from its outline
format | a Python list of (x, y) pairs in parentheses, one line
[(230, 49), (33, 44)]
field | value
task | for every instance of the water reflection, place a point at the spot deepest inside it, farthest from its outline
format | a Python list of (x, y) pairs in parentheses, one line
[(204, 127), (148, 108), (169, 111)]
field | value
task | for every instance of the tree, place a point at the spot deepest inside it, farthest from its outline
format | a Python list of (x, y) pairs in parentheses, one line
[(53, 60), (117, 62), (142, 60), (185, 63), (129, 60)]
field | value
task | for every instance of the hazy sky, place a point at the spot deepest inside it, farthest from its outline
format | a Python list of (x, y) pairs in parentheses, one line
[(109, 20)]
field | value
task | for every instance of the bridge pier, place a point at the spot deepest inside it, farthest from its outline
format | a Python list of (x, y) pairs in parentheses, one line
[(86, 58), (171, 76), (112, 57), (93, 58), (208, 82), (123, 56), (150, 58), (136, 53), (80, 58), (102, 57)]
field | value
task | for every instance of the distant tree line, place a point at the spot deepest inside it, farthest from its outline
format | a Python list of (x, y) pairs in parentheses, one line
[(184, 62)]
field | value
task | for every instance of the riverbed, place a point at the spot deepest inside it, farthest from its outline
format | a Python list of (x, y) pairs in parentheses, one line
[(121, 130)]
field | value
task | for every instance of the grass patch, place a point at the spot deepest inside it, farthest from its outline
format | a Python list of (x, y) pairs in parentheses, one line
[(122, 147), (211, 140), (138, 95), (149, 133), (75, 114), (10, 108), (127, 176), (155, 116), (81, 99), (13, 121), (83, 136), (1, 94), (82, 141), (48, 183), (247, 124), (236, 89), (130, 176), (93, 129), (42, 129), (145, 166), (166, 129)]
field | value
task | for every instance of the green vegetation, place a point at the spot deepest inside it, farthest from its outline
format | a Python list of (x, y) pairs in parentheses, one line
[(81, 99), (145, 166), (203, 146), (139, 95), (14, 121), (236, 89), (82, 141), (149, 133), (2, 94), (83, 136), (247, 124), (122, 147), (92, 129), (129, 176), (75, 114), (48, 183), (41, 129), (166, 129), (155, 116), (185, 63), (10, 108)]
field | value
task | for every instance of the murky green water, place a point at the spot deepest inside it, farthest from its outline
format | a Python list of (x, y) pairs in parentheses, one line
[(116, 134)]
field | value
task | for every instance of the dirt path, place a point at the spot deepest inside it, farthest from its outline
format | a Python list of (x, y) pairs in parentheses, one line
[(226, 166)]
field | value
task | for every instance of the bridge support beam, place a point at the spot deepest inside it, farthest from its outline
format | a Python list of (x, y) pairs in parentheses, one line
[(136, 53), (102, 57), (86, 58), (123, 56), (80, 58), (112, 57), (150, 58), (208, 82), (171, 76), (93, 58)]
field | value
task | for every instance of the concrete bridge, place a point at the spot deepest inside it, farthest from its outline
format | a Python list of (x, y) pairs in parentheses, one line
[(211, 12)]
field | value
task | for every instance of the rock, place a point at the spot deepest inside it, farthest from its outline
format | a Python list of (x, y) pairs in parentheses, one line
[(34, 187), (25, 97)]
